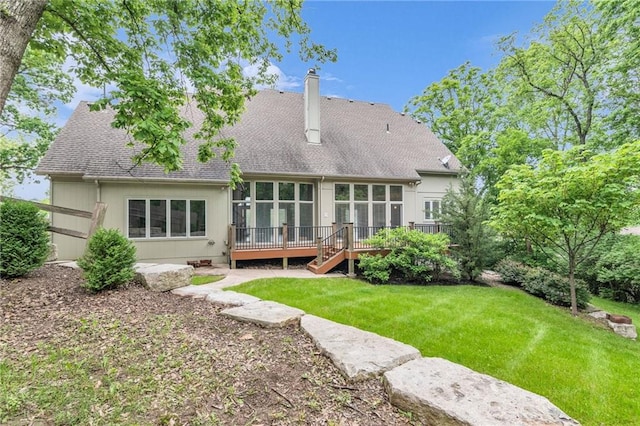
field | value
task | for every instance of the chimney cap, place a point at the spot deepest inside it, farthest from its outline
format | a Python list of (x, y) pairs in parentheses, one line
[(311, 71)]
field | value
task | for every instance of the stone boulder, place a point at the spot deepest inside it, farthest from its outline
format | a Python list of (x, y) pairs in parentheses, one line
[(358, 354), (443, 393), (164, 277), (620, 324)]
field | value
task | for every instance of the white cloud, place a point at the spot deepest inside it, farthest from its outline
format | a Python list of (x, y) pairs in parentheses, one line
[(331, 77), (283, 81)]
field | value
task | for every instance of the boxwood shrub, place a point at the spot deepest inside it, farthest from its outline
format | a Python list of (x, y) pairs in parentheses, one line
[(108, 261), (24, 240)]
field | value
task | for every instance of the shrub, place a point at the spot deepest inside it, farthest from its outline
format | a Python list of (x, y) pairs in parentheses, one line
[(374, 268), (24, 240), (414, 256), (618, 270), (108, 261), (512, 272), (553, 287), (466, 211)]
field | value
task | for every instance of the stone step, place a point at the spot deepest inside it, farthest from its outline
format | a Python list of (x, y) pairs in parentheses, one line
[(441, 392), (230, 298), (265, 313), (358, 354)]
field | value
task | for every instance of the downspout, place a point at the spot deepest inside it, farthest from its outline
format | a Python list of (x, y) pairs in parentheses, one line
[(320, 200), (98, 191)]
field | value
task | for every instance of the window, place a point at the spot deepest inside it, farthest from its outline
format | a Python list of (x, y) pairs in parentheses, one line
[(431, 209), (273, 204), (369, 207), (158, 218)]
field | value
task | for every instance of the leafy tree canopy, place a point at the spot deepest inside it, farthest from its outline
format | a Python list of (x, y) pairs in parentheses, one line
[(570, 200), (572, 81), (152, 53)]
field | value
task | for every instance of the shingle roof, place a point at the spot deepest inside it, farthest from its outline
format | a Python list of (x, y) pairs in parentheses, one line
[(271, 141)]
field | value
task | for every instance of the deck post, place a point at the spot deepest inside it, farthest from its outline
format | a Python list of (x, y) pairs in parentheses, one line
[(412, 225), (232, 244), (351, 262), (285, 237), (320, 253)]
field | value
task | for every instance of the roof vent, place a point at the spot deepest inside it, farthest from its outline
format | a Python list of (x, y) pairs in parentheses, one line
[(371, 103), (350, 101)]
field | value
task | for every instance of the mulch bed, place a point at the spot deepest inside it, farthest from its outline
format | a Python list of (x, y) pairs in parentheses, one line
[(217, 368)]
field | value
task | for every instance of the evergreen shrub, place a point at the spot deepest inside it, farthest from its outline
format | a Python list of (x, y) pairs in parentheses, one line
[(24, 240), (108, 261)]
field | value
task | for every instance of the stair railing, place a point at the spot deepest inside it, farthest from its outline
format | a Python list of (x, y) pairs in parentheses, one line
[(334, 243)]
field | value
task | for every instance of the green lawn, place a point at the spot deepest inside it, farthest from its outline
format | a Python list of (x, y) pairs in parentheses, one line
[(589, 372)]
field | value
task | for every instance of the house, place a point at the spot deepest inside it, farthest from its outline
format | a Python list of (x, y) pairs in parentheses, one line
[(312, 162)]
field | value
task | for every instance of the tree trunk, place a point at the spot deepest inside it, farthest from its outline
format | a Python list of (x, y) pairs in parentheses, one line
[(572, 285), (18, 19)]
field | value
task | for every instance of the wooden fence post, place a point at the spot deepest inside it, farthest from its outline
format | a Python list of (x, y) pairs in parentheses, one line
[(97, 219)]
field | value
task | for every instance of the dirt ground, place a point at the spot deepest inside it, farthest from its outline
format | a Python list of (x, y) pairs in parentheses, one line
[(174, 361)]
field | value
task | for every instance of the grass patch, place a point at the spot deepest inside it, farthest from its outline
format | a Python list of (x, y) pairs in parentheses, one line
[(587, 371), (205, 279)]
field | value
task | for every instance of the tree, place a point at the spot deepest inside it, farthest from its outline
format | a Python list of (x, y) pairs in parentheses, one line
[(460, 105), (466, 211), (569, 201), (25, 122), (561, 67), (152, 52), (621, 32), (479, 118)]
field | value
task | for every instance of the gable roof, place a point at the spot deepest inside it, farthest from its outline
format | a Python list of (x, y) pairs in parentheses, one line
[(355, 143)]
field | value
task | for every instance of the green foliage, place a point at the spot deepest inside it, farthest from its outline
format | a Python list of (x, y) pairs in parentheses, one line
[(570, 201), (24, 241), (554, 288), (375, 268), (558, 71), (458, 106), (466, 212), (108, 261), (413, 257), (618, 270), (512, 272), (149, 54), (571, 81), (30, 108)]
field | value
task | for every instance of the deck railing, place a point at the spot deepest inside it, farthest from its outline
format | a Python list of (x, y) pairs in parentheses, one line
[(272, 237), (284, 237)]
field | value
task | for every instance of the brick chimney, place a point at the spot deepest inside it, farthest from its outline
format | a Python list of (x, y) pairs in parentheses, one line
[(312, 106)]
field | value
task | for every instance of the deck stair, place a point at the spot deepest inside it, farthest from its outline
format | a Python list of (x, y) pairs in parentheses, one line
[(331, 251), (335, 257)]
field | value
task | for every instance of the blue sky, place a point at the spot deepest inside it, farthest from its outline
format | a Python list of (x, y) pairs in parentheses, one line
[(388, 52)]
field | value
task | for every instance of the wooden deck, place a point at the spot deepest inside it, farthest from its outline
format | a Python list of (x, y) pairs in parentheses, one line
[(328, 245)]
